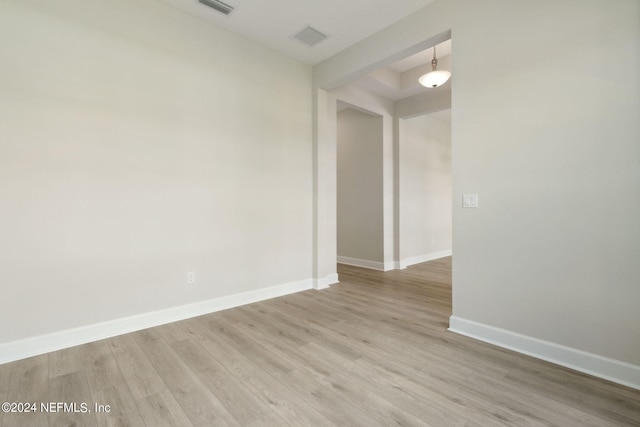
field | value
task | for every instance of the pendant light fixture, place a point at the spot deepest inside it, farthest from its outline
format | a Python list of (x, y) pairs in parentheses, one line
[(435, 77)]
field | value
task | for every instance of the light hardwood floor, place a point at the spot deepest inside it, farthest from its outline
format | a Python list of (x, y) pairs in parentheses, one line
[(371, 351)]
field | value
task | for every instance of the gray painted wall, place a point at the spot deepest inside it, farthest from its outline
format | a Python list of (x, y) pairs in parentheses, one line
[(425, 186), (545, 101), (359, 195), (550, 140), (131, 154)]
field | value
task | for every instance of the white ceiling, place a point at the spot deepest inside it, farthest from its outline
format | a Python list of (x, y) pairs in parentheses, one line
[(400, 79), (274, 22), (422, 58)]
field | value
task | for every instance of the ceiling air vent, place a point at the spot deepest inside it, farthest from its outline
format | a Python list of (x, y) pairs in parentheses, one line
[(217, 5), (310, 36)]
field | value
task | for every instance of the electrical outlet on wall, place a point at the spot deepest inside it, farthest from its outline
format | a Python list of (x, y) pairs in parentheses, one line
[(191, 277)]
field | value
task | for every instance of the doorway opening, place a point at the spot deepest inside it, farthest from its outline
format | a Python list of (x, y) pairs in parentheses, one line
[(425, 188), (360, 213), (391, 96)]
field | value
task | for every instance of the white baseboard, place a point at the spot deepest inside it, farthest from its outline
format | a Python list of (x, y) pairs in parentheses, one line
[(423, 258), (593, 364), (373, 265), (326, 281), (393, 265), (34, 346)]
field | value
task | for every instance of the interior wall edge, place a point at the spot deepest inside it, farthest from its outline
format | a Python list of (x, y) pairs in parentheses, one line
[(34, 346), (424, 258), (617, 371), (364, 263), (325, 282)]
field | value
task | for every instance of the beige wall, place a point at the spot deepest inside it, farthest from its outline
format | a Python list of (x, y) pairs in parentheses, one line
[(545, 101), (359, 194), (137, 144), (372, 103), (549, 139), (425, 187)]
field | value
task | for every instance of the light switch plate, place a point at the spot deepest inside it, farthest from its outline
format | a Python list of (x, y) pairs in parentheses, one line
[(469, 200)]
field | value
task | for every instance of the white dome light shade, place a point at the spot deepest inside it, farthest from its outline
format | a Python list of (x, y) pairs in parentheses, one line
[(434, 78)]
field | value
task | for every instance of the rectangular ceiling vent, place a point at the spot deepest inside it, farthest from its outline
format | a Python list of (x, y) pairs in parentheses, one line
[(217, 5), (309, 36)]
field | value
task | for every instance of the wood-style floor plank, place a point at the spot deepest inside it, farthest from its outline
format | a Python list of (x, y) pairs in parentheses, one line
[(122, 410), (237, 398), (371, 351), (5, 378), (143, 380), (72, 390), (271, 390), (161, 409), (198, 403), (29, 383)]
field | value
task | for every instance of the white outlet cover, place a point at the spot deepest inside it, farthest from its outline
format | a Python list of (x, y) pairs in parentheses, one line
[(469, 200)]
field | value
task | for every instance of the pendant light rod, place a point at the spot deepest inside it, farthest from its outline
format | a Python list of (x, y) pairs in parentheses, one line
[(434, 61)]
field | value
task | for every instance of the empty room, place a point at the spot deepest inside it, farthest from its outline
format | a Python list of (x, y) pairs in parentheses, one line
[(320, 213)]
